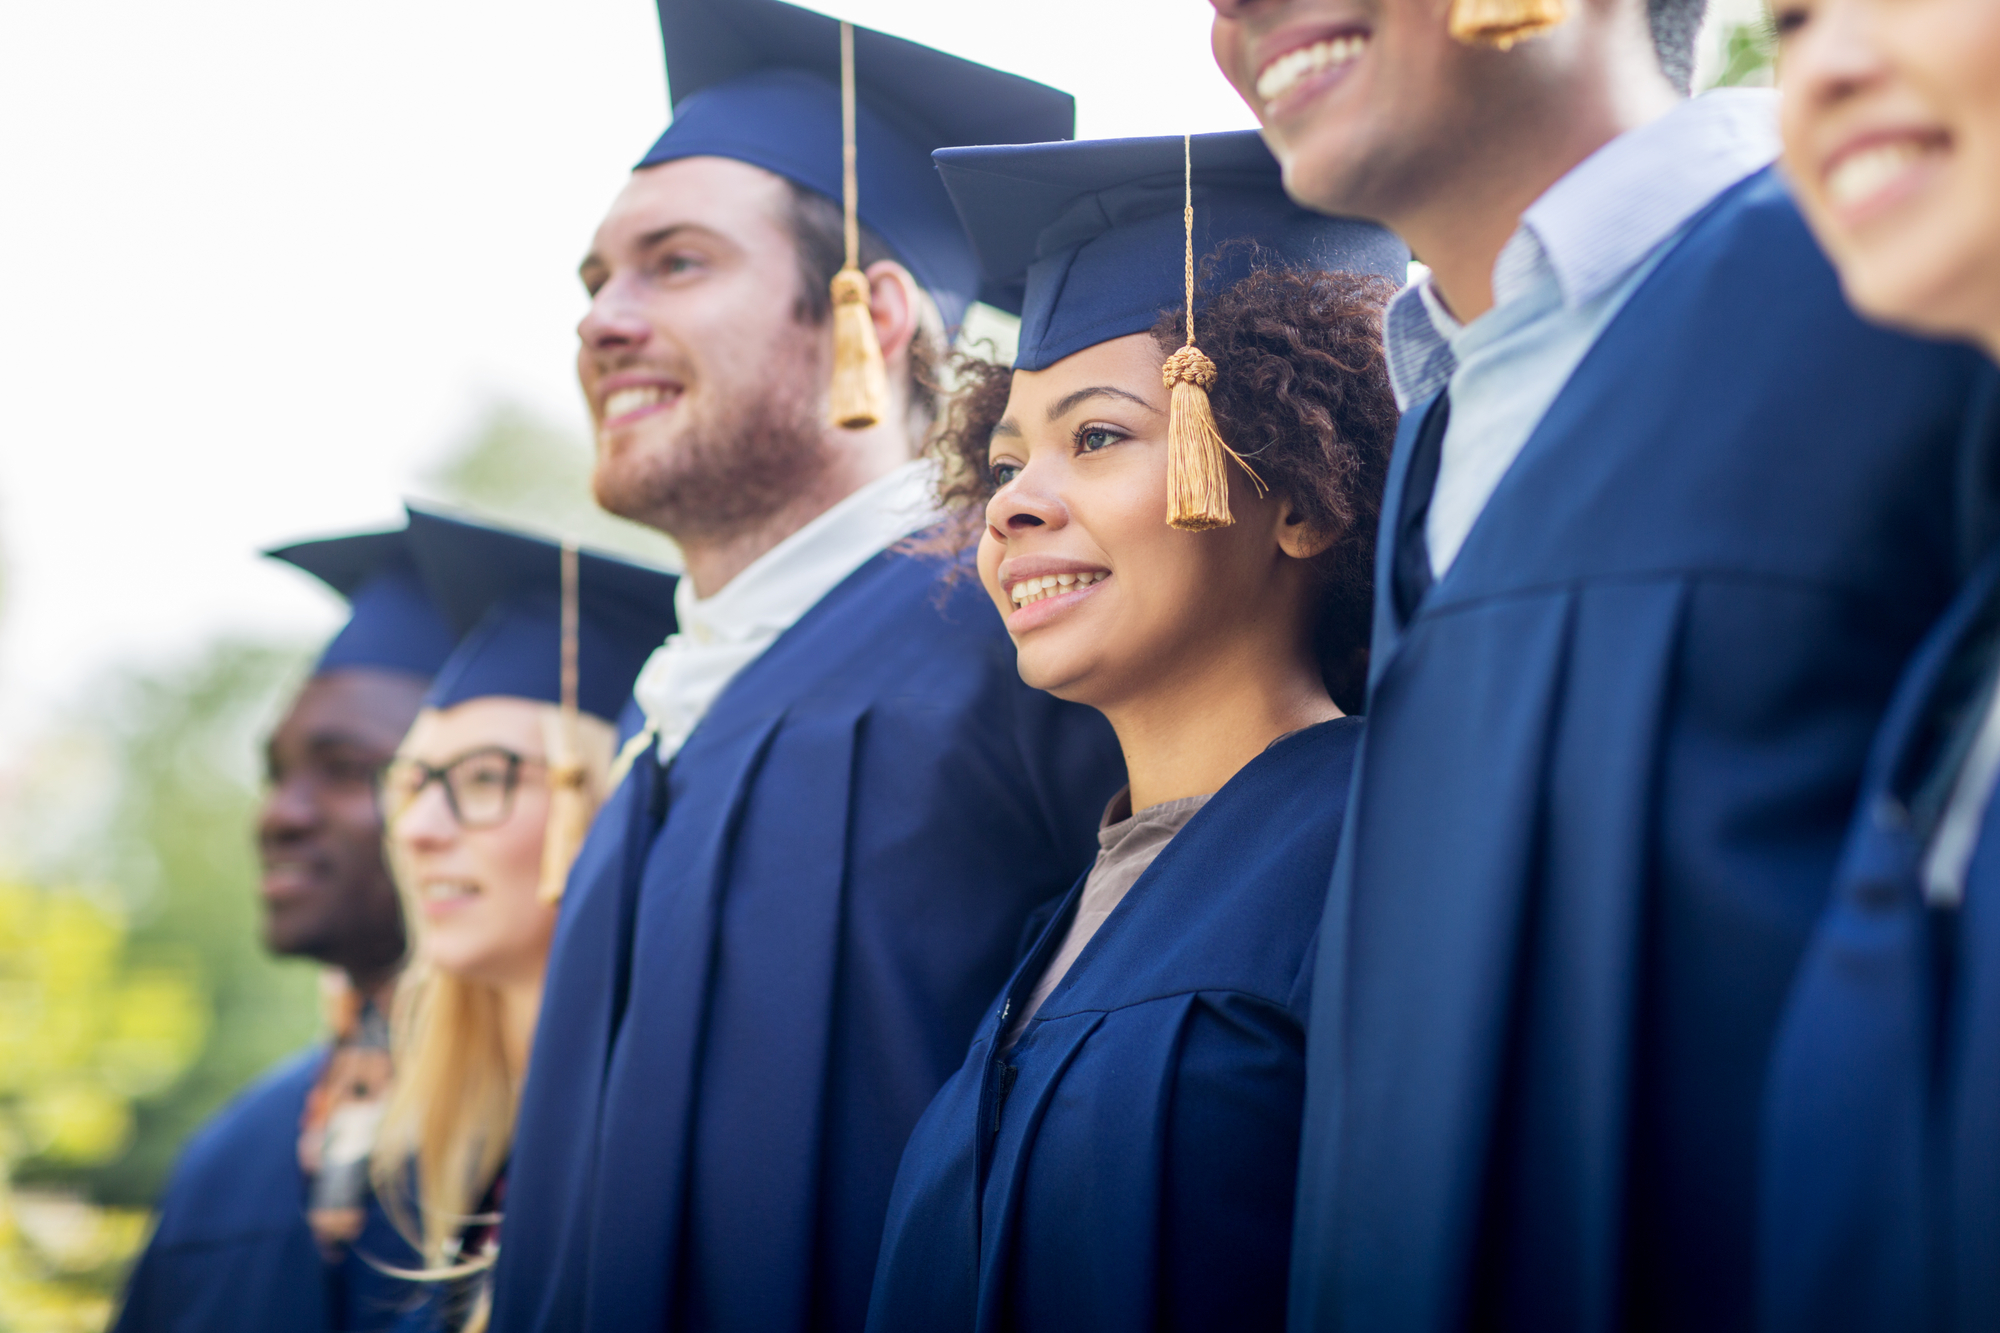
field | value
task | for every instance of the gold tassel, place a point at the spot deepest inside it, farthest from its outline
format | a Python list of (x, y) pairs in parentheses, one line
[(570, 811), (571, 803), (860, 384), (1501, 23), (860, 395), (1197, 455)]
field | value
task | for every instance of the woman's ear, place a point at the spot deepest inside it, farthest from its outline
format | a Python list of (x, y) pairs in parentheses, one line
[(1298, 538)]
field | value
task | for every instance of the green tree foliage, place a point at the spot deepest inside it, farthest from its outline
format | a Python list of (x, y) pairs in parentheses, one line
[(85, 1030), (169, 808)]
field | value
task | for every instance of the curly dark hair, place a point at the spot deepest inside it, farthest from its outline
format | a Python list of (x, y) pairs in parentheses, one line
[(1302, 392)]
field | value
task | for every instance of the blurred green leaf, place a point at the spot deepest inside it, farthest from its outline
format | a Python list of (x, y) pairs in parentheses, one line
[(1749, 55)]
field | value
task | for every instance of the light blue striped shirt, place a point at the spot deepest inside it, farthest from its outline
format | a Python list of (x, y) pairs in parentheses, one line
[(1579, 252)]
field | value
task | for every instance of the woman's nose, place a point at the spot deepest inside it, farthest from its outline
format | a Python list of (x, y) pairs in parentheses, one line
[(1022, 504), (1832, 58), (427, 821)]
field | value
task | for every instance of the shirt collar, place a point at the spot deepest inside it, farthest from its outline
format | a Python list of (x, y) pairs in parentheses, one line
[(786, 581), (1599, 222), (1595, 225)]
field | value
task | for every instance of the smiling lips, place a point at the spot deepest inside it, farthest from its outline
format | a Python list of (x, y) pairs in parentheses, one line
[(1857, 177), (621, 404), (1031, 590), (442, 895), (1294, 67), (288, 877)]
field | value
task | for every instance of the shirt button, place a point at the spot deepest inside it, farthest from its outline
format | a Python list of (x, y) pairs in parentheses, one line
[(1878, 894)]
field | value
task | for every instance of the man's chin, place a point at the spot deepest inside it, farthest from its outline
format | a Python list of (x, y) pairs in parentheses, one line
[(697, 478), (625, 488), (1320, 176), (288, 932)]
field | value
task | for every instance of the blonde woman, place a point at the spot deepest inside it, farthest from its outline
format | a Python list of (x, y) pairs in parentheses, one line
[(486, 802)]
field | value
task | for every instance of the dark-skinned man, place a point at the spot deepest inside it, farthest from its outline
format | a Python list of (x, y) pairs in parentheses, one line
[(1663, 522), (267, 1224), (792, 913)]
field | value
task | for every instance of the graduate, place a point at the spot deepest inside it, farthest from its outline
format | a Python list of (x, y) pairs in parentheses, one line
[(844, 803), (1176, 515), (1881, 1208), (486, 803), (1663, 523), (268, 1225)]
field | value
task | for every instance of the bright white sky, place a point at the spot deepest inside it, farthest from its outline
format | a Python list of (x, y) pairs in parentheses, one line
[(260, 262)]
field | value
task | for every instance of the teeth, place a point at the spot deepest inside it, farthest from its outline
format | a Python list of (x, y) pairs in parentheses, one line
[(1290, 69), (631, 400), (440, 890), (1049, 585), (1860, 176)]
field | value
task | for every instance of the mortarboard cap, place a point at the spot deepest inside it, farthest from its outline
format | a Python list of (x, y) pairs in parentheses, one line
[(759, 81), (392, 624), (1089, 236), (502, 591)]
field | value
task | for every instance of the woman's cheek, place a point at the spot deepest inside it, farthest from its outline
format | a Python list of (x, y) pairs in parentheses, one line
[(990, 554)]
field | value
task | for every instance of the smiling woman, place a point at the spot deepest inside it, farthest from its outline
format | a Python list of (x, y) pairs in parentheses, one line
[(1299, 392), (1891, 118), (1880, 1166), (1125, 1128), (485, 804)]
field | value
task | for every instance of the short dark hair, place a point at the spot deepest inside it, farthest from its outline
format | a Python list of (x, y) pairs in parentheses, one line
[(1676, 25), (819, 230), (1302, 392)]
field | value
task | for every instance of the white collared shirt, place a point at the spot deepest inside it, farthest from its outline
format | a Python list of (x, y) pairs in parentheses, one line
[(1581, 249), (720, 635)]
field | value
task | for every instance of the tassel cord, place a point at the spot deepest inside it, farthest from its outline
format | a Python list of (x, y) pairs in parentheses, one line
[(1197, 456), (570, 803), (859, 397)]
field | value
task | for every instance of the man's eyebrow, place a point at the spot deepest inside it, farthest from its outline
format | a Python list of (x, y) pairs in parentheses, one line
[(1061, 407), (667, 233), (647, 241)]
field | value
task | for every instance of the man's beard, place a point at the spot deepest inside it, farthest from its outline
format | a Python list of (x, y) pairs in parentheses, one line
[(721, 476)]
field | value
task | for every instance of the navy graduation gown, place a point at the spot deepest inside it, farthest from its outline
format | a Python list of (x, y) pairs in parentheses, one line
[(772, 955), (1130, 1164), (1881, 1208), (1609, 762), (233, 1249)]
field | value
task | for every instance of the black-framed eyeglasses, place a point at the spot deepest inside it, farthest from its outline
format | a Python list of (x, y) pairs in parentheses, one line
[(479, 785)]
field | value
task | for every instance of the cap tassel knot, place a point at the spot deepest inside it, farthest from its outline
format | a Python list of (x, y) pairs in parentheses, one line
[(860, 394), (1501, 23), (1198, 457), (572, 804)]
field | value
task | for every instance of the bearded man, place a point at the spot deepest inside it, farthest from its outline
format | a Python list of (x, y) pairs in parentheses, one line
[(792, 912)]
